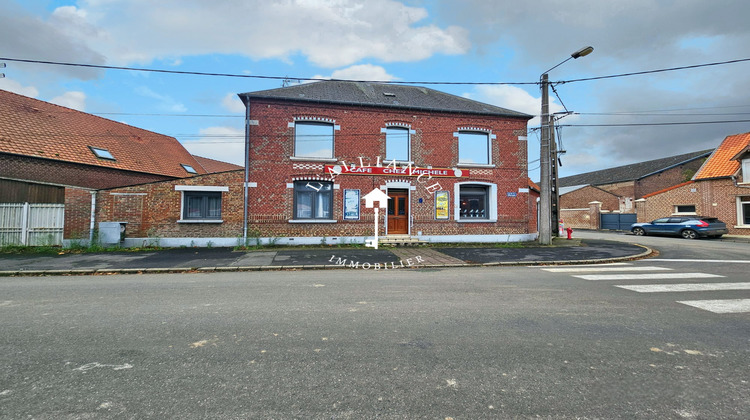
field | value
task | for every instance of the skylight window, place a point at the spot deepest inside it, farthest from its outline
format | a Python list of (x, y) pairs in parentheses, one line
[(102, 153), (189, 169)]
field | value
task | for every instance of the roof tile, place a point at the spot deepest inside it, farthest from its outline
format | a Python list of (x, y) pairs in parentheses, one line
[(32, 127), (720, 164)]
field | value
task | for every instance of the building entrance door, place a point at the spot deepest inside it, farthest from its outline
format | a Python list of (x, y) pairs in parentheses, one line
[(398, 212)]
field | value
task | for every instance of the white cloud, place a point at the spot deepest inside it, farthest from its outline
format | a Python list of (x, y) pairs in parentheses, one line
[(72, 99), (232, 103), (330, 33), (221, 143), (367, 72), (12, 86)]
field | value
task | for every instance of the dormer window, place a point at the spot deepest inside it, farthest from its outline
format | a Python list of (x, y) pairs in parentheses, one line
[(189, 169), (102, 153)]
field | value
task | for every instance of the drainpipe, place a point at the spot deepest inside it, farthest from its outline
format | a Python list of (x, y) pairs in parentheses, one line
[(247, 172), (93, 218)]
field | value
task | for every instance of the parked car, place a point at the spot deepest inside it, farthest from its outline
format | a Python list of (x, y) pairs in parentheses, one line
[(689, 227)]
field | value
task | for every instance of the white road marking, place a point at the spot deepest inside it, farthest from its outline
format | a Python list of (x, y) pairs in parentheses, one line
[(722, 306), (602, 268), (703, 261), (685, 287), (650, 276)]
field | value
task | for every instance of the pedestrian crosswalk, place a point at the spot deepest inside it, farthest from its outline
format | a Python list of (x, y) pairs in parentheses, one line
[(652, 275)]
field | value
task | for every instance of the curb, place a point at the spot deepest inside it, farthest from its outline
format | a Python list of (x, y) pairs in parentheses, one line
[(105, 271)]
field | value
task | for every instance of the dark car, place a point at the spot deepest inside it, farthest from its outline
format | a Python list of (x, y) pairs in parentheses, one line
[(689, 227)]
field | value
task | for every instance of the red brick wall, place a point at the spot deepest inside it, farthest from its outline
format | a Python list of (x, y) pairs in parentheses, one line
[(153, 210), (666, 179), (621, 189), (58, 172), (433, 144), (77, 213), (711, 198), (580, 199)]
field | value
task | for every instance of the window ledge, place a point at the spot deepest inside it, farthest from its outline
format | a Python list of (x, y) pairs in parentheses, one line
[(742, 227), (685, 214), (217, 221), (475, 165), (312, 159), (477, 220), (313, 221)]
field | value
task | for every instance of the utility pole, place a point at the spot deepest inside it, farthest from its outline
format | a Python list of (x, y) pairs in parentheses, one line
[(546, 155), (555, 198), (545, 201)]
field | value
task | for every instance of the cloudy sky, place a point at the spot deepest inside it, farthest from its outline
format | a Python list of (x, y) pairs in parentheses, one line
[(498, 42)]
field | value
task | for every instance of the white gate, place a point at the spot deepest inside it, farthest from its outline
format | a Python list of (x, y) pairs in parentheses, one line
[(31, 224)]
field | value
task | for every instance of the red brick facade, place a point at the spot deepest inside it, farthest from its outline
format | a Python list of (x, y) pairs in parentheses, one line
[(273, 172), (711, 198), (69, 173), (153, 211)]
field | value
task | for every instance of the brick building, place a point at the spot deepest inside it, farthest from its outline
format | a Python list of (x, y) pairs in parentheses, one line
[(629, 182), (615, 190), (50, 154), (454, 169), (720, 188)]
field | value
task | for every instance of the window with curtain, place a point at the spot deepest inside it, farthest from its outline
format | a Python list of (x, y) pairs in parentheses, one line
[(313, 200)]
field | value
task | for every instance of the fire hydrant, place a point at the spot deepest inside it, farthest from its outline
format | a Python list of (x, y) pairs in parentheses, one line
[(570, 232)]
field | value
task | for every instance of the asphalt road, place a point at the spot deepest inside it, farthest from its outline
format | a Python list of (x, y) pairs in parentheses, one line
[(462, 343)]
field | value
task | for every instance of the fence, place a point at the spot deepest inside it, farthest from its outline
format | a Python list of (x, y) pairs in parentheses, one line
[(31, 224)]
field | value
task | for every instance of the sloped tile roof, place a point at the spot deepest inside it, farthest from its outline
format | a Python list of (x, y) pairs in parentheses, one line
[(381, 95), (31, 127), (630, 172), (214, 166), (720, 164)]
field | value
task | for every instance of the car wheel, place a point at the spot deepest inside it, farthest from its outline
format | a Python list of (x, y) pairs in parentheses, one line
[(689, 234), (639, 232)]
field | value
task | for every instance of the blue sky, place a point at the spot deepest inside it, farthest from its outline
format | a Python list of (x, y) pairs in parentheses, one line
[(419, 40)]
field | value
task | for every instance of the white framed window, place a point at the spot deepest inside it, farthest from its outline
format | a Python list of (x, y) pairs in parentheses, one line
[(743, 211), (397, 144), (201, 204), (746, 170), (684, 209), (313, 139), (475, 202), (474, 148), (313, 200)]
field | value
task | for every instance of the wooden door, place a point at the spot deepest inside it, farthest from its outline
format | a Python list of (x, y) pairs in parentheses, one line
[(398, 212)]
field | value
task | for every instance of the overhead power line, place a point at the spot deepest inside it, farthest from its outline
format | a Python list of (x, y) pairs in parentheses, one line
[(287, 78), (638, 73), (251, 76)]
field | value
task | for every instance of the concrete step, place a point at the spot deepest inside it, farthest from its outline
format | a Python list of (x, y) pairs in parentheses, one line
[(400, 240)]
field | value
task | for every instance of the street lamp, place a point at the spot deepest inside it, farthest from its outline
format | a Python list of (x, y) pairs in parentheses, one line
[(545, 202)]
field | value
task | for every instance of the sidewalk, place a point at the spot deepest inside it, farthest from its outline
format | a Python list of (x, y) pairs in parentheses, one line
[(226, 259)]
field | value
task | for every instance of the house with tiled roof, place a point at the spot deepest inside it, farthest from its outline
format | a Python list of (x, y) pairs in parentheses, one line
[(617, 187), (720, 188), (50, 154)]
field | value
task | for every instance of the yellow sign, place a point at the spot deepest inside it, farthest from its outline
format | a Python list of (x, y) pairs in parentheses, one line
[(441, 205)]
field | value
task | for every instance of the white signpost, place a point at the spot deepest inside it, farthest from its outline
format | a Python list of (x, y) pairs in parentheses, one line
[(382, 200)]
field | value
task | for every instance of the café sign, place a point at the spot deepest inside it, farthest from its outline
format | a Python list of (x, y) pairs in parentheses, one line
[(400, 171)]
